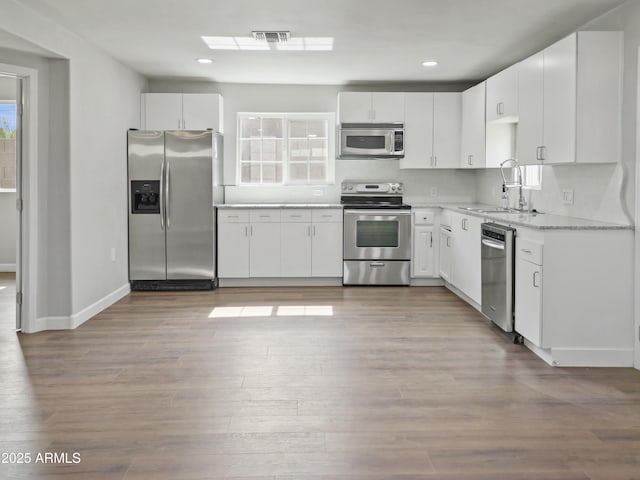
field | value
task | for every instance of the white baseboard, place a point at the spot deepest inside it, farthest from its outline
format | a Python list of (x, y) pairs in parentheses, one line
[(77, 319), (584, 357), (427, 282), (7, 267), (281, 282)]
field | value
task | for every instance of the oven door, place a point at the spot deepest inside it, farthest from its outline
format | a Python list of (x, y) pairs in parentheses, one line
[(377, 234)]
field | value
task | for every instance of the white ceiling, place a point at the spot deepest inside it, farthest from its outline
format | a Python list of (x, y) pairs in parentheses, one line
[(375, 40)]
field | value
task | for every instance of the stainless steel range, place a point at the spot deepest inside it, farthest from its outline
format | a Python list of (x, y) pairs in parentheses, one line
[(377, 234)]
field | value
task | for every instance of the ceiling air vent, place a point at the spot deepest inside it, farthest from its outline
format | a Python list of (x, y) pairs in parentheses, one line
[(271, 37)]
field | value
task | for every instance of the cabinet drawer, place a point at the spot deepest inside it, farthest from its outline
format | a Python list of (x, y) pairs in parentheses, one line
[(326, 215), (529, 250), (422, 217), (233, 216), (264, 215), (295, 215)]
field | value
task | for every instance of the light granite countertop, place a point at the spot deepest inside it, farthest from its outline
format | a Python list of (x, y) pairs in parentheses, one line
[(279, 205), (541, 221)]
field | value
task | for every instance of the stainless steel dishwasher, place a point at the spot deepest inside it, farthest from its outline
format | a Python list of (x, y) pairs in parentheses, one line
[(497, 274)]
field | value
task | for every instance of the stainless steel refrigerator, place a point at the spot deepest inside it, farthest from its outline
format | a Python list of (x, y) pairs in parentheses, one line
[(175, 181)]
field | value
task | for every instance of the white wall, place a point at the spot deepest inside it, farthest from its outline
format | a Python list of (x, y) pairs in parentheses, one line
[(452, 185), (8, 230), (7, 88), (88, 160)]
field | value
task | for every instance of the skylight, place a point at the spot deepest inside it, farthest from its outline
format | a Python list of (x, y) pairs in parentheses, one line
[(250, 43)]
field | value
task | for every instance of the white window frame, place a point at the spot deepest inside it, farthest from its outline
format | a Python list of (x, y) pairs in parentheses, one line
[(329, 117)]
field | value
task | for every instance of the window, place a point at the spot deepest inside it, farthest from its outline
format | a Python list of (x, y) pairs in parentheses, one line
[(532, 176), (285, 148), (7, 145)]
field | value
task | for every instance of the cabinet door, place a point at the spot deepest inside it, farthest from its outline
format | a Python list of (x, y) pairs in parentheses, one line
[(530, 98), (502, 96), (388, 107), (295, 249), (447, 125), (466, 255), (473, 127), (528, 301), (264, 249), (233, 250), (445, 255), (354, 107), (201, 111), (559, 107), (423, 259), (326, 250), (162, 111), (418, 127)]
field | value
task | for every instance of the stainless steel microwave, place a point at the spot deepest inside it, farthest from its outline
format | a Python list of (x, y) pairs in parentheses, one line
[(371, 140)]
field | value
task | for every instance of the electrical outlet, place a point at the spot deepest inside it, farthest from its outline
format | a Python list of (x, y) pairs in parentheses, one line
[(434, 191), (567, 197), (113, 254), (318, 192)]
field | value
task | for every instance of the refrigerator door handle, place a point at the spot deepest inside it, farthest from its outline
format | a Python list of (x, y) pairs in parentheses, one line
[(167, 192), (162, 196)]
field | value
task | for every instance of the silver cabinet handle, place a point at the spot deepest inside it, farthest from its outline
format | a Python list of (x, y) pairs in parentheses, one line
[(470, 160), (179, 123), (534, 280), (162, 179), (296, 216), (251, 230), (309, 231), (377, 264), (314, 230), (435, 161), (448, 241), (430, 239), (246, 231), (525, 250), (541, 152), (167, 191), (500, 108)]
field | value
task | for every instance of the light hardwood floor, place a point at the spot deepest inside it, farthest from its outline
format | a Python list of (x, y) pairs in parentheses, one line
[(396, 384)]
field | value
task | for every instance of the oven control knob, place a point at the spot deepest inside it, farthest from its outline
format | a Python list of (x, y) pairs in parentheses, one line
[(394, 187), (399, 188)]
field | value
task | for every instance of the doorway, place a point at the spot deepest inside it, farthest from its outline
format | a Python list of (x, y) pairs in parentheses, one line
[(10, 192)]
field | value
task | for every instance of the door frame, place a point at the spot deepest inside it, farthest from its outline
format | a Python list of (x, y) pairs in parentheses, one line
[(27, 190), (636, 289)]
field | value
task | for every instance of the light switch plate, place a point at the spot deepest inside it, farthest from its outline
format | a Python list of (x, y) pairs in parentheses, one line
[(567, 197)]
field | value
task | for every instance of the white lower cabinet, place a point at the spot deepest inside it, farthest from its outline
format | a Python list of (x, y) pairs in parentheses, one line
[(326, 243), (261, 243), (445, 253), (466, 255), (528, 301), (574, 295), (425, 244)]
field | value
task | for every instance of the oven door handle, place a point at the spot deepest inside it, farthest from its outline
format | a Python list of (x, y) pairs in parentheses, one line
[(492, 244), (366, 212)]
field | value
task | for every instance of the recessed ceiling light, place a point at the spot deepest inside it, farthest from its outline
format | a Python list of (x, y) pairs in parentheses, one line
[(204, 60), (429, 63)]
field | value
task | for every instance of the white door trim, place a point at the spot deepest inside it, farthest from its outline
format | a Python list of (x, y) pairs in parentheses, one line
[(636, 288), (29, 190)]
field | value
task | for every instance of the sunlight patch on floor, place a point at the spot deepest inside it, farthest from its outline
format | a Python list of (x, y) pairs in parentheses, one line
[(268, 311)]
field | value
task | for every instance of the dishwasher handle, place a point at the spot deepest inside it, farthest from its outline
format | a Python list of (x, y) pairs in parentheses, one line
[(492, 244)]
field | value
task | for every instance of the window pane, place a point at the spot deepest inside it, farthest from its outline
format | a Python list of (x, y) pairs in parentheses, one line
[(250, 127), (250, 150), (7, 145), (317, 172), (298, 129), (318, 128), (319, 149), (250, 173), (272, 127), (377, 233), (271, 173), (272, 150), (298, 150), (298, 172)]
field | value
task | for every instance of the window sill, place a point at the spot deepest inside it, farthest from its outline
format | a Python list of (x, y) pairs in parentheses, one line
[(7, 190)]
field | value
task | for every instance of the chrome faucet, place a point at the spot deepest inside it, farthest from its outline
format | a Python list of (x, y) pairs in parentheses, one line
[(513, 184)]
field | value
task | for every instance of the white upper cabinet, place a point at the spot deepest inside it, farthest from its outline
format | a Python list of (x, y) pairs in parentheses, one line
[(177, 111), (502, 96), (418, 130), (570, 94), (473, 127), (367, 107), (432, 130)]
